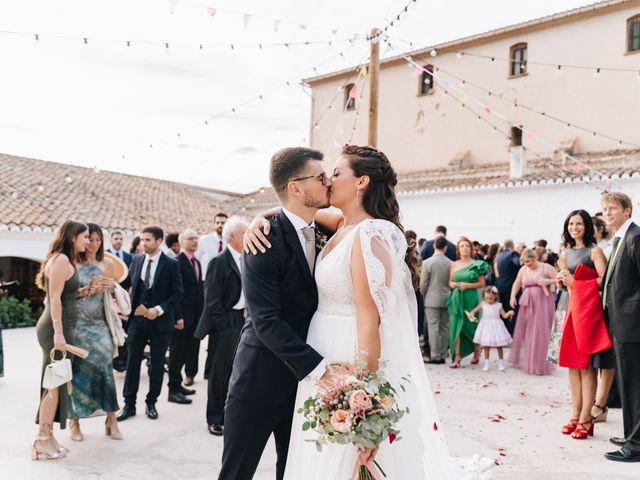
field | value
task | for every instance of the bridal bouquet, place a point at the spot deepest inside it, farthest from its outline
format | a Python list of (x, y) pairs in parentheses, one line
[(355, 407)]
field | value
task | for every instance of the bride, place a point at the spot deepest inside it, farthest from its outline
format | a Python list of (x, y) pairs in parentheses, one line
[(367, 312)]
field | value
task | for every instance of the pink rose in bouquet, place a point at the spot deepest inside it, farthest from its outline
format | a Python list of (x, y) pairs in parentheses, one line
[(360, 402), (340, 421)]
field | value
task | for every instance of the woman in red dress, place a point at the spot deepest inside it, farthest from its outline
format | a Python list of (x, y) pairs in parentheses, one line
[(582, 267)]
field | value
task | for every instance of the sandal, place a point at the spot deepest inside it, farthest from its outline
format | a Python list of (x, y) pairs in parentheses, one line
[(602, 416)]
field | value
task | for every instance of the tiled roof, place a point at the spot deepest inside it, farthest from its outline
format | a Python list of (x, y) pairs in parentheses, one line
[(614, 164), (37, 195)]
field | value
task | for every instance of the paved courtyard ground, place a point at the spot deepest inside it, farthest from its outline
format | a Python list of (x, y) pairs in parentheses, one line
[(512, 417)]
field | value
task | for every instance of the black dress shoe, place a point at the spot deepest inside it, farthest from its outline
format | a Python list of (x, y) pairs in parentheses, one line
[(623, 455), (217, 430), (126, 412), (436, 361), (618, 441), (187, 391), (151, 412), (178, 397)]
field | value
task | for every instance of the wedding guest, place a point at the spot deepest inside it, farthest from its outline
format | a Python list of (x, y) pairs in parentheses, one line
[(414, 262), (222, 319), (94, 388), (209, 247), (184, 346), (466, 276), (604, 238), (428, 250), (490, 258), (156, 290), (520, 247), (117, 239), (58, 277), (434, 285), (541, 254), (584, 330), (507, 266), (535, 316), (173, 244), (136, 246), (620, 296), (421, 243)]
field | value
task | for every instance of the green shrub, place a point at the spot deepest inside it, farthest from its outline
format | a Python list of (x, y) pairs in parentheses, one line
[(15, 314)]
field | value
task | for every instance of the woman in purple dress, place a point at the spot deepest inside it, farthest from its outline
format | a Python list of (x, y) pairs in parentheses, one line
[(535, 317)]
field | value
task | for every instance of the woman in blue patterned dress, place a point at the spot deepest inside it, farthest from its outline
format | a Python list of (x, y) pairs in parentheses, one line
[(94, 388)]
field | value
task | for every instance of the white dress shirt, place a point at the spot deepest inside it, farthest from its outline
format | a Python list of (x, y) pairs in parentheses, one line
[(154, 266), (237, 256), (622, 231), (298, 223), (208, 249)]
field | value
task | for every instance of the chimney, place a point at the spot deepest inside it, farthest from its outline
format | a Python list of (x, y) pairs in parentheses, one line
[(517, 162)]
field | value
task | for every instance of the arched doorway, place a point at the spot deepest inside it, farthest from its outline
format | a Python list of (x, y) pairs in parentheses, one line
[(24, 270)]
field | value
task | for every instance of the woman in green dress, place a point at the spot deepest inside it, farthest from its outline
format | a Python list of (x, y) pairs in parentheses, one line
[(465, 278), (94, 388), (58, 277)]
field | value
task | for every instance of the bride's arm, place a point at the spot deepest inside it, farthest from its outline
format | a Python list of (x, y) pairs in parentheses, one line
[(329, 220), (367, 317)]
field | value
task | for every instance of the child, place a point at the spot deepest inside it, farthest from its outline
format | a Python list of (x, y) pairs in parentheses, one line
[(491, 331)]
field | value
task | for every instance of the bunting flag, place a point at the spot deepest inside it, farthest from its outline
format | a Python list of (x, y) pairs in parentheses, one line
[(246, 18), (353, 93), (607, 183), (417, 71), (211, 11), (592, 174), (578, 167), (276, 25), (363, 71), (563, 158)]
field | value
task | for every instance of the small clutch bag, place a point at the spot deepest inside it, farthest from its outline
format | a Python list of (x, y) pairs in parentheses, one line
[(58, 372)]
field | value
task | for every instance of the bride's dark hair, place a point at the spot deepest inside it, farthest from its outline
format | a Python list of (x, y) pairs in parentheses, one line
[(379, 199)]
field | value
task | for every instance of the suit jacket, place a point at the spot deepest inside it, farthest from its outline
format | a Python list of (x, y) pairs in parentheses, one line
[(222, 289), (508, 263), (281, 294), (623, 289), (190, 306), (428, 250), (166, 291), (126, 257), (434, 281)]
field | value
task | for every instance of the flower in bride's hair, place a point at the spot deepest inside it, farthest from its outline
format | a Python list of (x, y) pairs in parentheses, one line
[(387, 403), (360, 401), (340, 421)]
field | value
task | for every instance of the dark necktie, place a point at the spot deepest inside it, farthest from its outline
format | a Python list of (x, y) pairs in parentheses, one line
[(147, 275), (196, 270), (220, 247), (607, 275)]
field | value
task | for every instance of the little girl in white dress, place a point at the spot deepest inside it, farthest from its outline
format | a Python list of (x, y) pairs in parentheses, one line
[(491, 331)]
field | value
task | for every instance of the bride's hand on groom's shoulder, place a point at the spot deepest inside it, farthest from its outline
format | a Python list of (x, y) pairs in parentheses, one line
[(255, 236)]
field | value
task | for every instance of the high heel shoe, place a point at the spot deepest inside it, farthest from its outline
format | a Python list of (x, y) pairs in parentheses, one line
[(456, 361), (112, 432), (583, 430), (40, 454), (74, 431), (602, 417), (570, 427)]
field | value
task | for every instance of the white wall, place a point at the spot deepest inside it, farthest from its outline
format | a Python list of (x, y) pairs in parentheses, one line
[(519, 213)]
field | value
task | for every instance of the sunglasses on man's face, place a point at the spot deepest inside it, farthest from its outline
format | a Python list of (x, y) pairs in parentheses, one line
[(321, 177)]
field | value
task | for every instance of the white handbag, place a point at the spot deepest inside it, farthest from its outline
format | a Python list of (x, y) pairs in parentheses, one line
[(58, 372)]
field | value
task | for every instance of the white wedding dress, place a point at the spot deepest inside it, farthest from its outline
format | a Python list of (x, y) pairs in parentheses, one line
[(421, 453)]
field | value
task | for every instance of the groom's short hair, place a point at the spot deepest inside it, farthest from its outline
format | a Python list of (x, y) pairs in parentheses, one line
[(289, 163)]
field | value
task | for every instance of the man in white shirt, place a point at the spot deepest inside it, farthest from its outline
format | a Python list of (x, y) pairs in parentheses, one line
[(222, 319), (212, 245)]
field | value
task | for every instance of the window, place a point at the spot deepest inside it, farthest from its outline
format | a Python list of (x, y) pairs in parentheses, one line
[(349, 97), (427, 84), (518, 60), (516, 136), (633, 34)]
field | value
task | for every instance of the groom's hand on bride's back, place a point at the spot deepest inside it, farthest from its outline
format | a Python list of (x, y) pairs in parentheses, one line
[(255, 237)]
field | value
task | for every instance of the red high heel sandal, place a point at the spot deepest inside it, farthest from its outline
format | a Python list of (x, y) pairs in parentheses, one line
[(570, 427), (583, 430)]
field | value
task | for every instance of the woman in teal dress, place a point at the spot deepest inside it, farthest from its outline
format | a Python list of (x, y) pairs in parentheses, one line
[(465, 278), (94, 388), (58, 277)]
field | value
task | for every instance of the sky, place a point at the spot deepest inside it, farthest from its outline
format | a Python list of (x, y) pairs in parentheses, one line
[(141, 109)]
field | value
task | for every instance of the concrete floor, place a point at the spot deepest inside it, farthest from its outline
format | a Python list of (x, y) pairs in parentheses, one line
[(481, 413)]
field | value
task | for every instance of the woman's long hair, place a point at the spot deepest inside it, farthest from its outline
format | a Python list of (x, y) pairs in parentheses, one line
[(62, 243), (589, 232), (379, 199), (93, 228), (412, 259)]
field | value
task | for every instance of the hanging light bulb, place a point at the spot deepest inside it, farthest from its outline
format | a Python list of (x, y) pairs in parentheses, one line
[(459, 55), (262, 191), (14, 195), (40, 188), (434, 52), (68, 179), (597, 74), (558, 70), (492, 61)]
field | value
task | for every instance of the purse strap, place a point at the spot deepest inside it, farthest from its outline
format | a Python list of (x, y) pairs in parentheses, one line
[(52, 354)]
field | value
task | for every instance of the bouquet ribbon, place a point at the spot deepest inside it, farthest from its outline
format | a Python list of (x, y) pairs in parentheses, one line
[(355, 475)]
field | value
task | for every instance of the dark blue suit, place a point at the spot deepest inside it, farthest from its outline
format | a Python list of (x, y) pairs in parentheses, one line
[(508, 265), (272, 355), (126, 257), (166, 292), (428, 250)]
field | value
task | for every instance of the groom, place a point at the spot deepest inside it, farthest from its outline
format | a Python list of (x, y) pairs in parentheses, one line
[(281, 295)]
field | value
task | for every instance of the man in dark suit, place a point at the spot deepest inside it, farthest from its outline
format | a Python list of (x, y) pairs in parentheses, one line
[(156, 290), (184, 346), (507, 266), (117, 239), (281, 294), (428, 250), (621, 299), (222, 319)]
